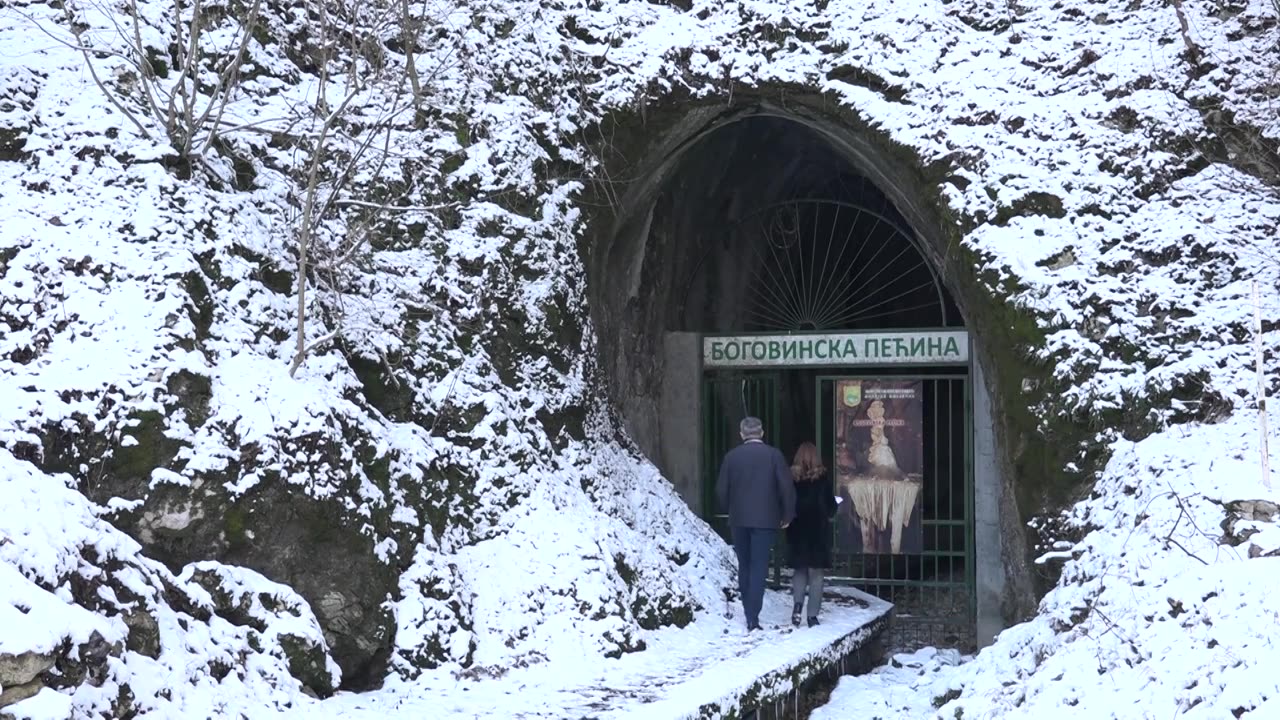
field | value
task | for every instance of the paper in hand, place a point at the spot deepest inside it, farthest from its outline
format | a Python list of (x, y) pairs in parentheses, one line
[(839, 499)]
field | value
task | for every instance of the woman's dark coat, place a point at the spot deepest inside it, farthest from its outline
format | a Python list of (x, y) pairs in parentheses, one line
[(809, 535)]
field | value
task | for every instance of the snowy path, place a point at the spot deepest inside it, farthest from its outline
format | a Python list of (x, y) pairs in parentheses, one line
[(904, 689), (710, 662)]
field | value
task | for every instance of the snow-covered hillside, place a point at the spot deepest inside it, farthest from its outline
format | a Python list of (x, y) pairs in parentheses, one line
[(1164, 608), (440, 485), (441, 491)]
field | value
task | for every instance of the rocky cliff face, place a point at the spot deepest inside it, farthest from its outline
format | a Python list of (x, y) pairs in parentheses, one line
[(443, 473)]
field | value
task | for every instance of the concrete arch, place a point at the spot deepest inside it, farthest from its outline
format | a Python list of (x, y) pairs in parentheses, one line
[(628, 258), (869, 152)]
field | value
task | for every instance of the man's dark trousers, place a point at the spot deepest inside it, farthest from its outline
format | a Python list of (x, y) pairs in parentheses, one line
[(753, 546)]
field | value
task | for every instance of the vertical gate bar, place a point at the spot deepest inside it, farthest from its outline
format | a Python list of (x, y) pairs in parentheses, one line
[(953, 589), (937, 595), (965, 460), (946, 570), (958, 590), (970, 556), (946, 566), (817, 440), (948, 592), (954, 387), (930, 593), (826, 438), (942, 564), (771, 390)]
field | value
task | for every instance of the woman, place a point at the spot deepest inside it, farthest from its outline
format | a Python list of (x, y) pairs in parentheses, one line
[(809, 535)]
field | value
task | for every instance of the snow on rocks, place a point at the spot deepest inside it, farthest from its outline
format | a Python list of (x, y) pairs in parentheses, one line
[(93, 628), (147, 301), (278, 615), (568, 576), (1159, 611), (899, 690), (453, 431), (1163, 608)]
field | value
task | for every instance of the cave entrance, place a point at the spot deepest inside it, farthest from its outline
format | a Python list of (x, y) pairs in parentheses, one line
[(845, 343), (757, 266), (895, 434)]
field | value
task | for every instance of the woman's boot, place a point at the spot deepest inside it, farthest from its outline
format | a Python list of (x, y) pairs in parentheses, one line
[(795, 614)]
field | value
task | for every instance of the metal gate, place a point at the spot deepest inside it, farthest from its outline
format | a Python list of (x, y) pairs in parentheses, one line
[(933, 591), (727, 398)]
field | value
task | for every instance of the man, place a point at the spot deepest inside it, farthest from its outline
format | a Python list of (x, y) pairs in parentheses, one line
[(756, 488)]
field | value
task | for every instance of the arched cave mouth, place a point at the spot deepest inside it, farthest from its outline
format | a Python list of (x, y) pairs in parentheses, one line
[(763, 225), (758, 225)]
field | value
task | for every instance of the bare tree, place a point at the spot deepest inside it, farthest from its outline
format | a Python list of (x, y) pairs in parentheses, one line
[(342, 145), (189, 111), (350, 142)]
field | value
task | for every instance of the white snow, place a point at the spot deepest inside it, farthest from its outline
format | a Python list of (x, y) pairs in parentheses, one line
[(1153, 618), (900, 690), (117, 275), (56, 540), (682, 670)]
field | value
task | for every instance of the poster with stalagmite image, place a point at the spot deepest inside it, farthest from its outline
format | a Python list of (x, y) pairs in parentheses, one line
[(879, 461)]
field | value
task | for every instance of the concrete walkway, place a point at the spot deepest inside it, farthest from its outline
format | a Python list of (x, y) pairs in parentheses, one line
[(707, 670)]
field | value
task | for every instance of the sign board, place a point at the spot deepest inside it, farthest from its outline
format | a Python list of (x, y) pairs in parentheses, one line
[(906, 347), (879, 466)]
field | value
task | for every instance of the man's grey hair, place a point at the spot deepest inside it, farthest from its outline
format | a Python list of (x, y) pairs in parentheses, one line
[(751, 428)]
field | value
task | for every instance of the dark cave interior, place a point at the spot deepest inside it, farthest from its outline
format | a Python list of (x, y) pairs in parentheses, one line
[(763, 227)]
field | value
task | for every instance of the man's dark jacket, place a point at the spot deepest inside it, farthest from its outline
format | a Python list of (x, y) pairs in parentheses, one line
[(755, 486)]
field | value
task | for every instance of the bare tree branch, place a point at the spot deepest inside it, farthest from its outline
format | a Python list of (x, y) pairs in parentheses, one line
[(307, 225), (228, 81), (88, 61), (381, 207), (304, 352)]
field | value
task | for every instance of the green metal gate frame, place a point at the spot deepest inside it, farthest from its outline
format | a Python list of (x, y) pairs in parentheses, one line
[(717, 438), (760, 391)]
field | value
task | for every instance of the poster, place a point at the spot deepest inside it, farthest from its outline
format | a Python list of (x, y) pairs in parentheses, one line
[(879, 458)]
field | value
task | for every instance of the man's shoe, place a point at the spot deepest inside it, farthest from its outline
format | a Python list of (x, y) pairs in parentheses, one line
[(813, 622), (795, 614)]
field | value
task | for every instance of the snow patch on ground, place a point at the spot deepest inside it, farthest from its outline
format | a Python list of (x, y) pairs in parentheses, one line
[(1160, 613), (680, 673), (900, 690)]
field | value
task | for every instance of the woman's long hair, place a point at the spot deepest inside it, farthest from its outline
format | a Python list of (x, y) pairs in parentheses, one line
[(807, 466)]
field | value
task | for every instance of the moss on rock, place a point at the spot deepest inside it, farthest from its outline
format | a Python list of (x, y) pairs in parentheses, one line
[(308, 663), (382, 389), (12, 142), (144, 633), (128, 470), (1034, 203)]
